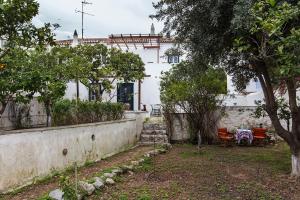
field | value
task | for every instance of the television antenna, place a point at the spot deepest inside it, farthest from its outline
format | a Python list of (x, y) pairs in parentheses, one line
[(83, 3)]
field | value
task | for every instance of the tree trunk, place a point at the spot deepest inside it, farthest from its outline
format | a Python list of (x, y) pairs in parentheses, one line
[(48, 113), (3, 107), (295, 165), (199, 140), (49, 120)]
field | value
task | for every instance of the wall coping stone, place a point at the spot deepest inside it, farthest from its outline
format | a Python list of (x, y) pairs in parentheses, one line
[(23, 131), (136, 112)]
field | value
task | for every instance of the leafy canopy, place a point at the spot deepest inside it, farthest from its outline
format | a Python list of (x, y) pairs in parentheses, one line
[(106, 66), (16, 27)]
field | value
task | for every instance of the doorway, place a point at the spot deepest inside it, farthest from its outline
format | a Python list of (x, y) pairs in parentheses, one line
[(125, 94)]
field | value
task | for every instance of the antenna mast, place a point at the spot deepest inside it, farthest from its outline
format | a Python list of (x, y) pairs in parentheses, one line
[(83, 3)]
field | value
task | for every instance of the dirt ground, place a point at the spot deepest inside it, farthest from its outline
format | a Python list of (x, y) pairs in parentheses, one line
[(41, 188), (213, 173)]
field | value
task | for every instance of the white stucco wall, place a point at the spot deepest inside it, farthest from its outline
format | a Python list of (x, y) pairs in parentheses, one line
[(28, 154), (155, 62)]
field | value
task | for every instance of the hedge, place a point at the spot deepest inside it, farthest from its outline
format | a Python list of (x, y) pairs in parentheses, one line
[(67, 112)]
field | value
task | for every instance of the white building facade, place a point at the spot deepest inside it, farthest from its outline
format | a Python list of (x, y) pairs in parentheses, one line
[(146, 93), (252, 93), (151, 48)]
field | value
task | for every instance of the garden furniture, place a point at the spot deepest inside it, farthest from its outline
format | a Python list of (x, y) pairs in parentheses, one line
[(244, 134), (225, 137), (259, 136), (156, 110)]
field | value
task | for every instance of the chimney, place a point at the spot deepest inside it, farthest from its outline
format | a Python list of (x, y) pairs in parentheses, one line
[(152, 29), (75, 39), (168, 35)]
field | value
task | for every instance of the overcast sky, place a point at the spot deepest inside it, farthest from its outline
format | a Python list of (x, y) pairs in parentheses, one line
[(110, 17)]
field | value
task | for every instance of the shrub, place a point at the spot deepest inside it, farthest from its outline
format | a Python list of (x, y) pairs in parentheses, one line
[(63, 113), (66, 112), (67, 188)]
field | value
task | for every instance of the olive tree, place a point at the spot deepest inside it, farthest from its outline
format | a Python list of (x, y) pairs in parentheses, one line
[(251, 39), (17, 33), (197, 93)]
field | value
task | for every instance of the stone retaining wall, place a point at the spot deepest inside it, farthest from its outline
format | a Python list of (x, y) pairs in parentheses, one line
[(35, 153), (236, 117)]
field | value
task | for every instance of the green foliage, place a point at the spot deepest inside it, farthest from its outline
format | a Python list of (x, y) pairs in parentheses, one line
[(196, 92), (123, 197), (45, 197), (250, 39), (67, 188), (16, 27), (144, 196), (147, 165), (18, 33), (66, 112), (283, 110), (201, 26), (106, 66)]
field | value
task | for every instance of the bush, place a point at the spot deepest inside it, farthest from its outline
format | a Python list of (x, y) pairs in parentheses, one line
[(66, 112)]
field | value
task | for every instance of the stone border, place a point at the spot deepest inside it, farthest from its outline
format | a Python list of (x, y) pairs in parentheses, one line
[(23, 131), (106, 179)]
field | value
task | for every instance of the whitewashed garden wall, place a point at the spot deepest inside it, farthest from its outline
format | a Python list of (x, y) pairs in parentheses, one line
[(34, 153), (236, 117)]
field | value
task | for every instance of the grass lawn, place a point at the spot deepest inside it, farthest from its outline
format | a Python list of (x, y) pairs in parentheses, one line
[(213, 173)]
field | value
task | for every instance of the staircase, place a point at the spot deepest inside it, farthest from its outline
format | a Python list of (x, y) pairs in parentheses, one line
[(154, 132)]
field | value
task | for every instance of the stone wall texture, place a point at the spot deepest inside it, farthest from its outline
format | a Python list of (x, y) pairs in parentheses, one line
[(33, 115), (34, 153), (235, 117), (241, 117)]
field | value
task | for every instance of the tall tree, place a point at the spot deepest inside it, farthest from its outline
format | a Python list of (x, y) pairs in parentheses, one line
[(47, 74), (196, 92), (252, 39), (17, 33), (108, 66)]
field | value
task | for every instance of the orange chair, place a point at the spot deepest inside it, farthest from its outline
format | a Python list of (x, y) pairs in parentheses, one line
[(259, 136), (225, 137)]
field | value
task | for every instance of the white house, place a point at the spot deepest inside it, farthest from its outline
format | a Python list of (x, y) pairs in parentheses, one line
[(151, 48), (252, 93)]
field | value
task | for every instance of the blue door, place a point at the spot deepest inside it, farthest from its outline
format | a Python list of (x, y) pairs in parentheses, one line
[(125, 94)]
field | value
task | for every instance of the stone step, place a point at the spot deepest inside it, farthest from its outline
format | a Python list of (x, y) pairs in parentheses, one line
[(151, 144), (152, 126), (158, 138), (154, 132)]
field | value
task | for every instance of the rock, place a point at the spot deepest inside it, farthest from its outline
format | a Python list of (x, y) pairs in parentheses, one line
[(79, 196), (147, 155), (110, 181), (99, 183), (135, 163), (130, 173), (141, 160), (56, 194), (117, 171), (162, 151), (153, 153), (168, 146), (127, 167), (109, 175), (88, 188)]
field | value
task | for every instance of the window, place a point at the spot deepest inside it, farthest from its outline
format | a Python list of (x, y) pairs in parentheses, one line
[(173, 59)]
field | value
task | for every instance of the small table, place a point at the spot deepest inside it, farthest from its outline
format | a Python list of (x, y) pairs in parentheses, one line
[(244, 134)]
